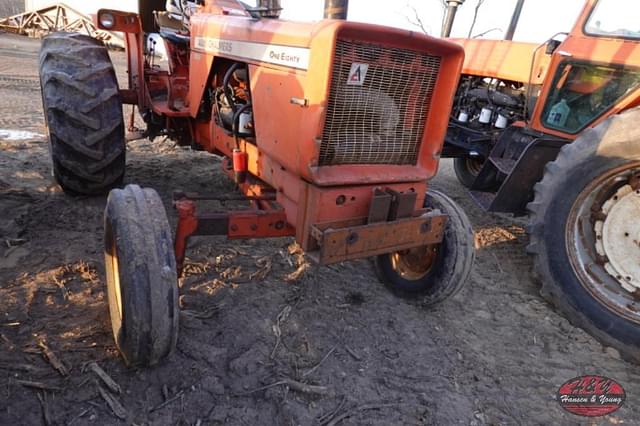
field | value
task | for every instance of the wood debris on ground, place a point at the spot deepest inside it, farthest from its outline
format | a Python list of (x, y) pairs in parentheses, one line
[(106, 379), (53, 359), (116, 407)]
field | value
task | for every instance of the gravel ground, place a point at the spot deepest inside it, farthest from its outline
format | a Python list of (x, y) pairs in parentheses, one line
[(495, 354)]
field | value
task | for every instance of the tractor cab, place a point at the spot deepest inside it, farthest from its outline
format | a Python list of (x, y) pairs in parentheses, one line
[(519, 103), (593, 71), (550, 131)]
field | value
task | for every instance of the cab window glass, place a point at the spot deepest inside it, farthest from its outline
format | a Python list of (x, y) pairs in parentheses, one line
[(582, 92), (615, 18)]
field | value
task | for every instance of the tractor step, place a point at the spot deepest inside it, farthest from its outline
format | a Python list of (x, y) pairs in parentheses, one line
[(483, 199), (521, 175), (504, 165)]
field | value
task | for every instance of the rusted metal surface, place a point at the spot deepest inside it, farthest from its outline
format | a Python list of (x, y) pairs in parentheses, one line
[(634, 181), (128, 97), (416, 263), (391, 205), (197, 196), (263, 220), (336, 9), (380, 206), (187, 225), (355, 242), (402, 204), (259, 224)]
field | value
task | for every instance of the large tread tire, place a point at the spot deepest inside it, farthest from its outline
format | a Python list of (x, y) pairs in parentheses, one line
[(614, 143), (453, 263), (83, 112), (141, 275)]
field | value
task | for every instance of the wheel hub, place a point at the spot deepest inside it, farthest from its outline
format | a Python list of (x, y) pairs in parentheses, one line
[(618, 237), (474, 165), (414, 264)]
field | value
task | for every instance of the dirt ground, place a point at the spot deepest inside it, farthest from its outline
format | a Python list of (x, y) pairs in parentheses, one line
[(495, 354)]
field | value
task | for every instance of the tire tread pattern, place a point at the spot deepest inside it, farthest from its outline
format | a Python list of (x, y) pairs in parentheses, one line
[(83, 111), (591, 145), (148, 278)]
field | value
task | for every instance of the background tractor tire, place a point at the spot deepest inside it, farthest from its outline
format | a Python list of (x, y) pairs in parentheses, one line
[(83, 112), (564, 236), (467, 170), (142, 282), (450, 265)]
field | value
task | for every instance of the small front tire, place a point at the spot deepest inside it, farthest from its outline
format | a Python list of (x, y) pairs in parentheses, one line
[(433, 273), (141, 276)]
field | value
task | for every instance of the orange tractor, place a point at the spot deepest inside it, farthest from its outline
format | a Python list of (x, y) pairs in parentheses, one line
[(551, 131), (331, 131)]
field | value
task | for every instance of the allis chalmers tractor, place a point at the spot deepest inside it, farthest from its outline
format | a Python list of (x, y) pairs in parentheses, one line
[(552, 131), (331, 131)]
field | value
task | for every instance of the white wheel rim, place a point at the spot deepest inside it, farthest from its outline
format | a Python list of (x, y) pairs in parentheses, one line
[(603, 258), (619, 237)]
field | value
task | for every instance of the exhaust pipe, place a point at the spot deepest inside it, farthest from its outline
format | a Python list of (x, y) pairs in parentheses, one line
[(452, 8), (269, 8), (336, 9), (514, 20)]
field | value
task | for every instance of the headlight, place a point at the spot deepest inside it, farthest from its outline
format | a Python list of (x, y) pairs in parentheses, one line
[(107, 20)]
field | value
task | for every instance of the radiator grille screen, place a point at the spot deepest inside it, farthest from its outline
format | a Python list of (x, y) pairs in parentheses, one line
[(378, 104)]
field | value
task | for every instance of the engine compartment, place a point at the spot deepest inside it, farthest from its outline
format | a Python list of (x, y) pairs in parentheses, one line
[(488, 104), (483, 108)]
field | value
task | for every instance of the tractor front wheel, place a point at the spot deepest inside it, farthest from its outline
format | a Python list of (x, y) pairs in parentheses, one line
[(433, 273), (584, 233), (141, 275)]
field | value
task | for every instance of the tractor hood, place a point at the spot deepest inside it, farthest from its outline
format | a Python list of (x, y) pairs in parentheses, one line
[(314, 84), (503, 59)]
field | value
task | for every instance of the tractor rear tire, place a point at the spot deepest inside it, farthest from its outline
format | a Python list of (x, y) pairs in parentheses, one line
[(569, 233), (142, 283), (83, 112), (432, 273)]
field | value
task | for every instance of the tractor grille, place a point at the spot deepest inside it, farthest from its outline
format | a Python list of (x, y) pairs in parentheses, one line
[(379, 117)]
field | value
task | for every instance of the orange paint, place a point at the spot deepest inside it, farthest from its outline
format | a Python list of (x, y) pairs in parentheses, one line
[(513, 61), (289, 81)]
